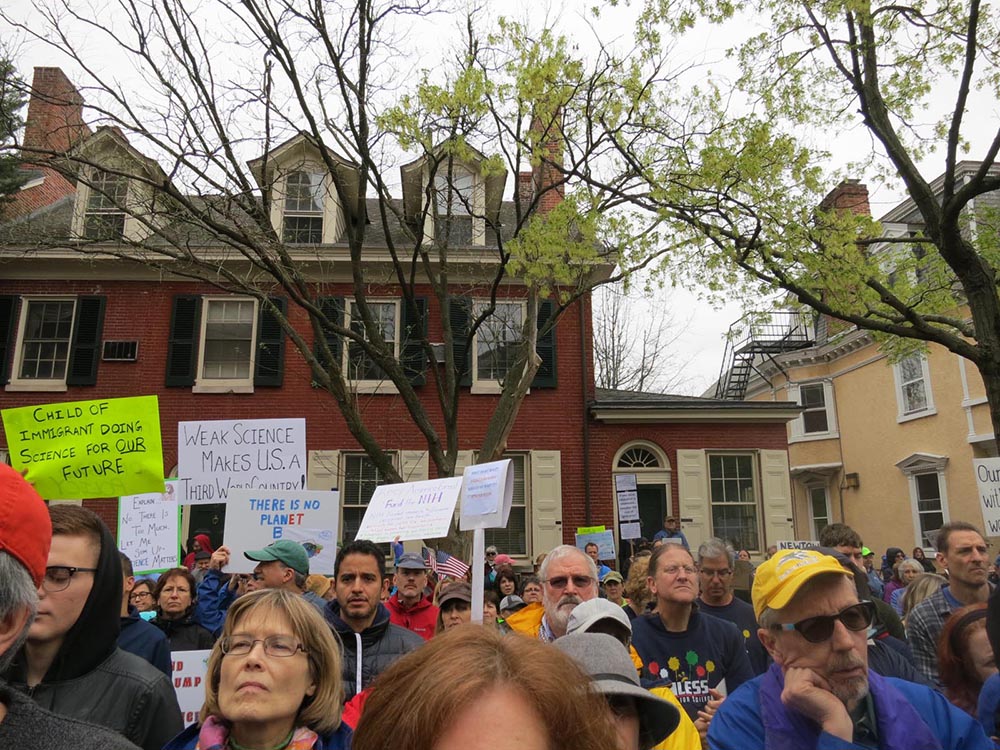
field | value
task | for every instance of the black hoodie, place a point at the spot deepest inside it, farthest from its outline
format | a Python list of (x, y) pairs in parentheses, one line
[(93, 680)]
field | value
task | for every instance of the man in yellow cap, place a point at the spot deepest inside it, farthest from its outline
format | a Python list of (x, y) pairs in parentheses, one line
[(819, 692)]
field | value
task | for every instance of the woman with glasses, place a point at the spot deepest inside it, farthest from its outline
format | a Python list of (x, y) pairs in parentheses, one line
[(142, 595), (175, 602), (273, 681)]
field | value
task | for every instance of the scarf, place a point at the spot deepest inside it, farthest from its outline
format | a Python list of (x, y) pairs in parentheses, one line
[(900, 726), (214, 735)]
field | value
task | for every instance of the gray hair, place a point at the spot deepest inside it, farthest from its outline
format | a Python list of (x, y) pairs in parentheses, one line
[(17, 593), (566, 550), (300, 579), (911, 564), (716, 547)]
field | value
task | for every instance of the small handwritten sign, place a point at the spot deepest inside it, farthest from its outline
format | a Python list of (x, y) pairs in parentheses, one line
[(255, 518), (216, 457), (414, 510), (487, 495), (147, 529), (84, 449)]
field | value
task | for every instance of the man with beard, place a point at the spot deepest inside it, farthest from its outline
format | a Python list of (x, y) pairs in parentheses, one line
[(569, 577), (703, 657), (369, 642), (963, 552), (819, 693)]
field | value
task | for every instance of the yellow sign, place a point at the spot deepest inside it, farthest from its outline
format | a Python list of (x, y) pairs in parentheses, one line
[(84, 449), (590, 530)]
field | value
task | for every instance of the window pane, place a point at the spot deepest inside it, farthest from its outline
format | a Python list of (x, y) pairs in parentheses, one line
[(303, 230), (733, 497), (914, 397), (456, 195), (911, 369), (814, 421), (305, 193), (811, 396), (360, 365), (513, 540), (45, 350), (104, 218), (498, 340), (228, 340), (736, 524), (361, 477)]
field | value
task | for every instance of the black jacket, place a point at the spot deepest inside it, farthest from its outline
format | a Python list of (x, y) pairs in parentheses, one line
[(184, 634), (142, 639), (369, 653), (93, 680)]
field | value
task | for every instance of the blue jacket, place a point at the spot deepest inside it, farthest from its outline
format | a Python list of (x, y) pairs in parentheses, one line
[(908, 717), (146, 641), (214, 598), (338, 740)]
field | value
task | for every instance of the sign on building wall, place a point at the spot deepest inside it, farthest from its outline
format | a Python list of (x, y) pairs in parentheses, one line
[(83, 449)]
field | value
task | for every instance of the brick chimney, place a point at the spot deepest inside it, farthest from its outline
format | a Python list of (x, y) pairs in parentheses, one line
[(850, 195), (546, 177), (55, 113)]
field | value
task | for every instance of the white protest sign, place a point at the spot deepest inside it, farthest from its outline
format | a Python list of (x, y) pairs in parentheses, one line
[(625, 483), (413, 510), (605, 541), (215, 457), (487, 494), (628, 505), (796, 545), (147, 529), (988, 482), (256, 518), (631, 530), (190, 668)]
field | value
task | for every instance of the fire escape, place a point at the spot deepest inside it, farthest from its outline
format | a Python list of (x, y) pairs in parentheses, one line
[(754, 339)]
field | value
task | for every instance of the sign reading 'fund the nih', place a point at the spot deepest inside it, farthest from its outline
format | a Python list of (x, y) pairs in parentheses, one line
[(988, 481)]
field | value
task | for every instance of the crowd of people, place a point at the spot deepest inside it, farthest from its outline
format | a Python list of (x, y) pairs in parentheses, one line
[(668, 653)]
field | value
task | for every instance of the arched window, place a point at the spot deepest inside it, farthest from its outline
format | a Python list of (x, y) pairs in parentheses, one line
[(638, 457)]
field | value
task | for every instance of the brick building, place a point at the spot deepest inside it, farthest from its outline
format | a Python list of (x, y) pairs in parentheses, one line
[(77, 325)]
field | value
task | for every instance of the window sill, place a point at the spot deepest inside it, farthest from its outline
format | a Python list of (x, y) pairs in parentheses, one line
[(373, 387), (222, 388), (489, 388), (38, 386), (812, 437), (916, 415)]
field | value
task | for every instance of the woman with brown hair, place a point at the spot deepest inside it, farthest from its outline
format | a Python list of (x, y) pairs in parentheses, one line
[(472, 683), (175, 603), (965, 656), (506, 582)]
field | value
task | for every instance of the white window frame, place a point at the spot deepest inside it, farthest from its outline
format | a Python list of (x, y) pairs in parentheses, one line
[(813, 527), (929, 410), (485, 385), (320, 213), (756, 486), (344, 457), (225, 385), (113, 210), (47, 385), (797, 433), (462, 198), (384, 385), (919, 464)]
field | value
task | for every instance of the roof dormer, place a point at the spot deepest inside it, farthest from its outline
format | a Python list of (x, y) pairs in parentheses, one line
[(307, 208), (464, 199)]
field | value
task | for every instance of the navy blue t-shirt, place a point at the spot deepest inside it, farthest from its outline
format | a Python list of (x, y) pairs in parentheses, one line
[(741, 615)]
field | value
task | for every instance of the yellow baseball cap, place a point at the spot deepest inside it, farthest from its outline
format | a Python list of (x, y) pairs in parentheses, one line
[(777, 580)]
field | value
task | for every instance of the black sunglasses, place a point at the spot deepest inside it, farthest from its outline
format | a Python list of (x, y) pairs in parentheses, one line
[(818, 629)]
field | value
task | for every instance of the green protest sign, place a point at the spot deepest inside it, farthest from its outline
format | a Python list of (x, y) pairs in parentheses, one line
[(82, 449)]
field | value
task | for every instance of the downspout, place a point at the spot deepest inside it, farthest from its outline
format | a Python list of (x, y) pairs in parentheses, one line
[(584, 307)]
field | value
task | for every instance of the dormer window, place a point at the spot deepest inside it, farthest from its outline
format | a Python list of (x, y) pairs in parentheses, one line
[(104, 218), (303, 220), (454, 196)]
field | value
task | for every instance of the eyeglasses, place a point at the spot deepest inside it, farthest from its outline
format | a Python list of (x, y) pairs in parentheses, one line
[(281, 646), (140, 595), (57, 577), (710, 574), (818, 629), (580, 582), (672, 570)]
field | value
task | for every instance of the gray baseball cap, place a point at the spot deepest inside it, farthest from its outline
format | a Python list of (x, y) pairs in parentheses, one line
[(587, 614), (608, 663), (411, 561)]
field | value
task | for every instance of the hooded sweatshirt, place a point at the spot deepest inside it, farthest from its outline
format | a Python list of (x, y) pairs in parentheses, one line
[(93, 680)]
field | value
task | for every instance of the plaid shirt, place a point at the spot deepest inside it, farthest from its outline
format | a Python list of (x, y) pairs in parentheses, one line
[(923, 627)]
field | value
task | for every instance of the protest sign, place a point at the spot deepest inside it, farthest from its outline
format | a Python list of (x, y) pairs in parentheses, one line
[(218, 456), (631, 530), (147, 529), (796, 545), (590, 529), (413, 510), (487, 494), (988, 482), (86, 449), (628, 505), (255, 519), (625, 483), (190, 669), (605, 541)]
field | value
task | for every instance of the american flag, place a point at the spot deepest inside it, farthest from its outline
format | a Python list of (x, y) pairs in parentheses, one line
[(444, 564)]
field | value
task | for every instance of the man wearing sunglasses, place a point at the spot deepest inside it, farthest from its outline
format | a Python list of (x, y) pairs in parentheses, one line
[(819, 693), (569, 578)]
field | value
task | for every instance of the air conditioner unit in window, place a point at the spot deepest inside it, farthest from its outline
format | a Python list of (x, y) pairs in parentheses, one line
[(121, 351)]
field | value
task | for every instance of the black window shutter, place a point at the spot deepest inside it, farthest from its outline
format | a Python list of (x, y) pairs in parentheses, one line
[(412, 354), (182, 346), (8, 321), (459, 312), (333, 309), (546, 348), (270, 361), (85, 349)]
